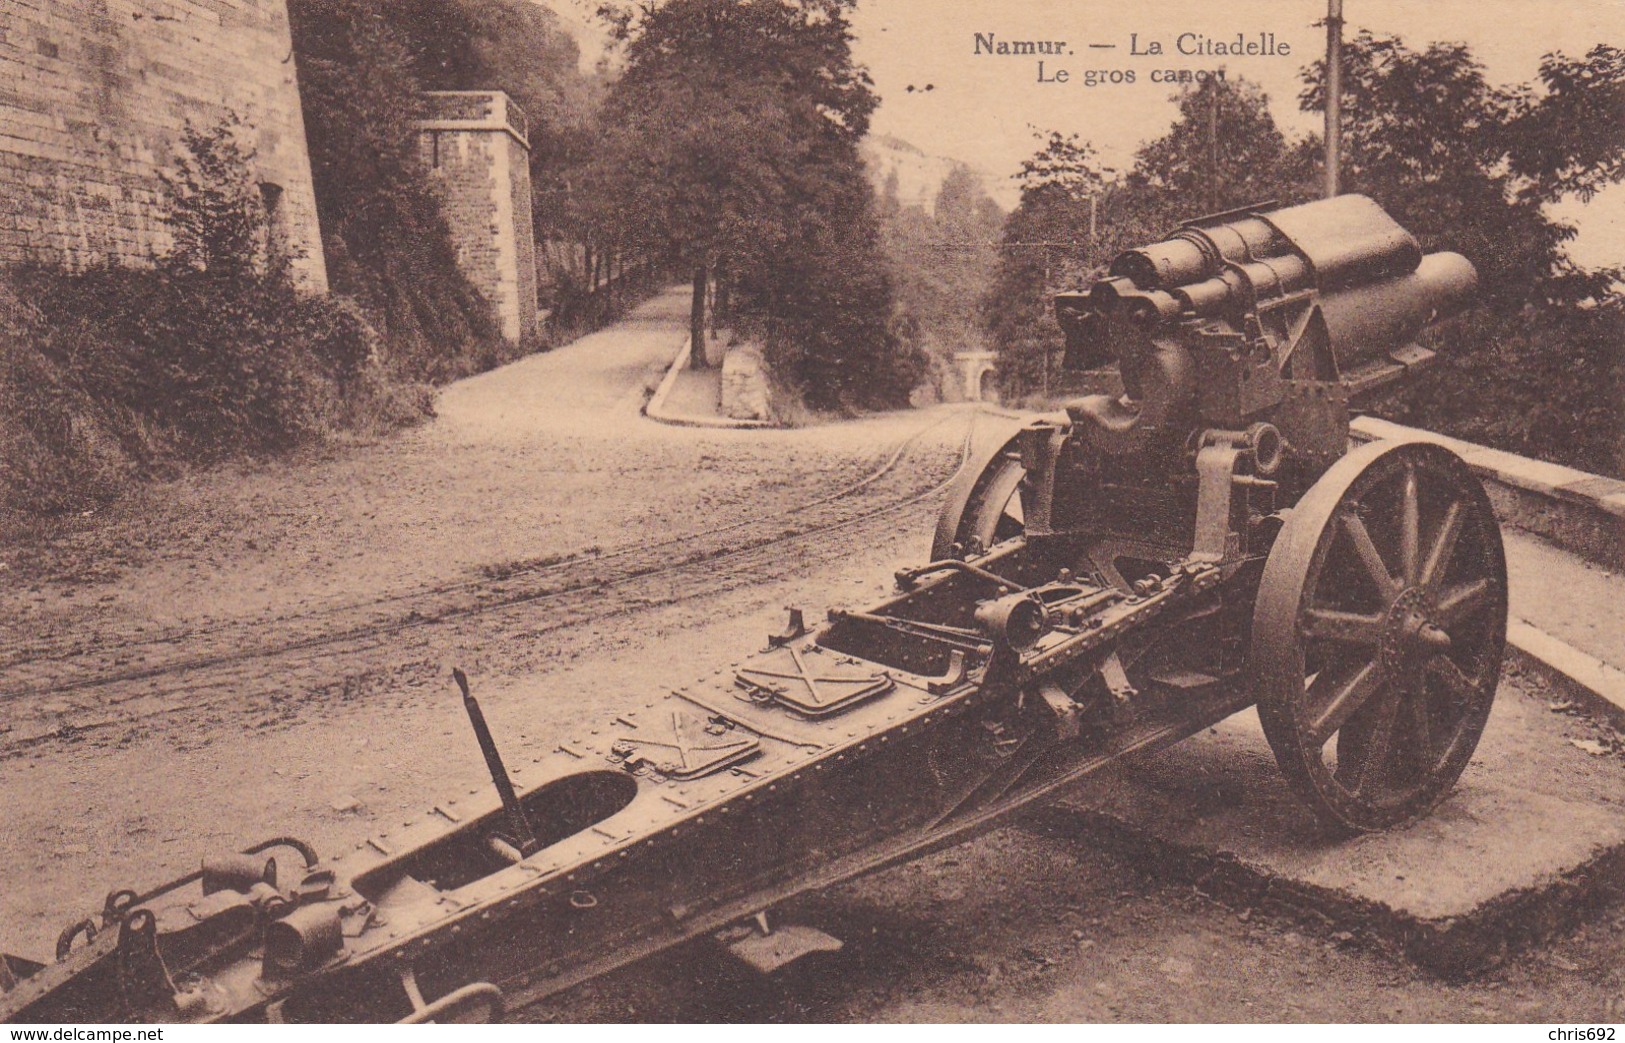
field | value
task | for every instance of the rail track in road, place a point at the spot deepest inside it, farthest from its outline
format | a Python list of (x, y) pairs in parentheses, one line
[(350, 649), (332, 617)]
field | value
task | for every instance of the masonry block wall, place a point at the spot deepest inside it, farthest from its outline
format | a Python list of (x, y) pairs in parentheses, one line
[(475, 144), (93, 95)]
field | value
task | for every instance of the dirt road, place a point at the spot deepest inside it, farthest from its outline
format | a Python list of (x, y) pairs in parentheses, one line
[(264, 651)]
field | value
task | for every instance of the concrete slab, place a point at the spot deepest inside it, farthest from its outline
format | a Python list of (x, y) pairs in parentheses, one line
[(1533, 837), (696, 393)]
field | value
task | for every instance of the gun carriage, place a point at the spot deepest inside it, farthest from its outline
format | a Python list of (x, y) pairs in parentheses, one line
[(1112, 579)]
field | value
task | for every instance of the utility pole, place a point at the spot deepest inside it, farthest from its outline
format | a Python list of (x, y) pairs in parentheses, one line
[(1215, 201), (1334, 96), (1049, 294)]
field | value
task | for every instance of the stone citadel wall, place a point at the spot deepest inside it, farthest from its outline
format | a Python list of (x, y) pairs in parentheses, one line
[(93, 96)]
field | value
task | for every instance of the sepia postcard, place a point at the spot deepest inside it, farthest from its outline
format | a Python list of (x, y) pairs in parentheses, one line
[(812, 511)]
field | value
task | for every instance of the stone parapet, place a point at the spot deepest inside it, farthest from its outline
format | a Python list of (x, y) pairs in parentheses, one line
[(1582, 512), (473, 110)]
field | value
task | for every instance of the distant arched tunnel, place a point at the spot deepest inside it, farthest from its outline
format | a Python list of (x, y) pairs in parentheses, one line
[(981, 381)]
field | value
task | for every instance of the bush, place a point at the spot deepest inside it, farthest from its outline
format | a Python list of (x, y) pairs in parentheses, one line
[(217, 367), (114, 373), (829, 328), (57, 448), (1542, 382)]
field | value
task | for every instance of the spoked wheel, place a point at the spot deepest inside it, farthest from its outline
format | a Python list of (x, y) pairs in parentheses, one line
[(983, 507), (1378, 634)]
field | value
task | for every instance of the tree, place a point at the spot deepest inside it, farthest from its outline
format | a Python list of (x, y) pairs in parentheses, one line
[(963, 211), (1425, 134), (701, 167), (386, 241), (1571, 141), (216, 216), (941, 261), (1045, 245), (1539, 367), (1469, 166), (732, 147), (1224, 150)]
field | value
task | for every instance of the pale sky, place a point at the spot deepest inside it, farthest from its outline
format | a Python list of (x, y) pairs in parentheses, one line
[(983, 109)]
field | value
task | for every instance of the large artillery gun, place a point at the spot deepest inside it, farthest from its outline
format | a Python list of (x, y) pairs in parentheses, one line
[(1114, 578)]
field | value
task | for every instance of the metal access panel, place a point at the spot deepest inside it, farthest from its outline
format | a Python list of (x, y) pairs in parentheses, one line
[(680, 744), (811, 680)]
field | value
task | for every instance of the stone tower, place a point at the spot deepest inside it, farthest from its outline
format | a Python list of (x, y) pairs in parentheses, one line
[(475, 145)]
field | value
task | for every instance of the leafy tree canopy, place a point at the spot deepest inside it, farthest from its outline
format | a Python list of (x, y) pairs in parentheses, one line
[(1224, 150), (731, 144), (1044, 244), (1571, 141), (1468, 166), (942, 260), (1539, 367)]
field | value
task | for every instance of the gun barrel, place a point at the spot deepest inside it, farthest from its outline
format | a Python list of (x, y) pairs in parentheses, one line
[(1195, 253), (1375, 287), (1347, 239), (1364, 321), (1233, 318)]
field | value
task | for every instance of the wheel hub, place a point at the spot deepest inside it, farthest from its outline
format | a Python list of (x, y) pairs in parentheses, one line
[(1410, 637)]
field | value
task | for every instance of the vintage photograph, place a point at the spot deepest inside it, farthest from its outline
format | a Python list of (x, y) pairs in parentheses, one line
[(812, 511)]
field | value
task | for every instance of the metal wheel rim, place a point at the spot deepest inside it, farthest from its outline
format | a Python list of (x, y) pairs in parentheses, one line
[(1339, 655), (985, 508)]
